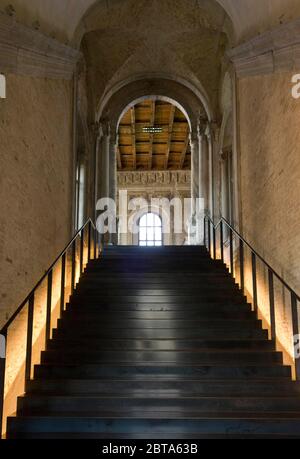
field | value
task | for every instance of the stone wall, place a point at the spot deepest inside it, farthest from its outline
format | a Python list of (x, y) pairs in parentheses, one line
[(270, 177), (35, 182)]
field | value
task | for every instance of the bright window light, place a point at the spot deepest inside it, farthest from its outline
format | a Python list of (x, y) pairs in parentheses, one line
[(150, 234)]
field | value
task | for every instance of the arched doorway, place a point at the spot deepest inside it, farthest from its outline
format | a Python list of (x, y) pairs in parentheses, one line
[(150, 231), (133, 151), (154, 164)]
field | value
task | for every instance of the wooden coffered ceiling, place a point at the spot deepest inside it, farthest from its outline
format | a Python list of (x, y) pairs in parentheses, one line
[(167, 150)]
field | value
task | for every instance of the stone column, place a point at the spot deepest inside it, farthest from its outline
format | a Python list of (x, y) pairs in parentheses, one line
[(204, 168), (113, 167), (195, 170), (98, 134), (202, 152), (216, 171), (103, 186), (194, 186), (209, 136), (113, 185)]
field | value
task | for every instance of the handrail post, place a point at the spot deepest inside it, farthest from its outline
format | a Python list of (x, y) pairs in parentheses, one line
[(222, 241), (214, 243), (254, 282), (62, 284), (28, 361), (95, 243), (81, 250), (99, 245), (89, 240), (231, 252), (205, 232), (73, 275), (295, 323), (272, 305), (209, 237), (49, 308), (242, 270), (2, 377)]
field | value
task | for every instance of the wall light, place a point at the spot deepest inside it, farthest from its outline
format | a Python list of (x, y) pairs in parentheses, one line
[(2, 87), (153, 130)]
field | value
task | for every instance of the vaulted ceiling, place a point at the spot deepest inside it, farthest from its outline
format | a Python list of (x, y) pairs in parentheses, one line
[(123, 38), (165, 150), (182, 38), (61, 18)]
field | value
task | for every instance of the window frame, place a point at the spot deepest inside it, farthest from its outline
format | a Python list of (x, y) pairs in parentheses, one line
[(149, 241)]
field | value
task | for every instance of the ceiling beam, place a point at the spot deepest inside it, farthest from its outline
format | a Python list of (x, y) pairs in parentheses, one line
[(171, 124), (184, 151), (133, 136), (151, 139)]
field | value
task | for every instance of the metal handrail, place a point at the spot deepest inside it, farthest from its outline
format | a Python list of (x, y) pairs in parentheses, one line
[(95, 240), (210, 241), (23, 304), (222, 219)]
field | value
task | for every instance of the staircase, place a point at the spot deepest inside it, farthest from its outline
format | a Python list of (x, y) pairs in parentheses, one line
[(159, 343)]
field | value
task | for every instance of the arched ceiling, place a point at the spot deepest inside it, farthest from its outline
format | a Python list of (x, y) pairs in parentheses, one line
[(165, 149), (180, 38), (61, 18), (124, 38)]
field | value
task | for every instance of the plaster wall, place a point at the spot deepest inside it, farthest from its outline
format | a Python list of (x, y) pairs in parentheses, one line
[(35, 183), (270, 184)]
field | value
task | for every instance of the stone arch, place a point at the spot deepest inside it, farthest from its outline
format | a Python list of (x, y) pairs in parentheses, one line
[(117, 100), (181, 89)]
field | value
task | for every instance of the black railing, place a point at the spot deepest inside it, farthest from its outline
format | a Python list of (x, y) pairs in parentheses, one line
[(70, 263), (236, 263)]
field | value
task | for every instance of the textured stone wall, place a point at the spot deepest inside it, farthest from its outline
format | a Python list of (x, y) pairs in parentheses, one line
[(35, 183), (270, 180)]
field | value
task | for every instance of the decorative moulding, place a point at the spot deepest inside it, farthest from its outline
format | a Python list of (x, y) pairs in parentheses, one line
[(154, 178), (276, 50), (26, 51)]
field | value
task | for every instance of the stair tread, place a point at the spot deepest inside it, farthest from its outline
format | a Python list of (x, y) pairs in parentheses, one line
[(180, 350)]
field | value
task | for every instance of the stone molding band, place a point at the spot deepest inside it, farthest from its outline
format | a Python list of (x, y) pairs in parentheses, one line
[(26, 51), (274, 51), (154, 178)]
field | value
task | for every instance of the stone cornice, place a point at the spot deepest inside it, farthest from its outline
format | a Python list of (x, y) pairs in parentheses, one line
[(151, 178), (276, 50), (26, 51)]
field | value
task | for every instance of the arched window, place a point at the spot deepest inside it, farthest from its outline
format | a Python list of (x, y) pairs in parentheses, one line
[(150, 234)]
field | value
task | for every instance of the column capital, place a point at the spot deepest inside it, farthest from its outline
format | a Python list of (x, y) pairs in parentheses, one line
[(225, 153), (202, 126), (212, 130), (94, 129), (193, 136), (104, 127)]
